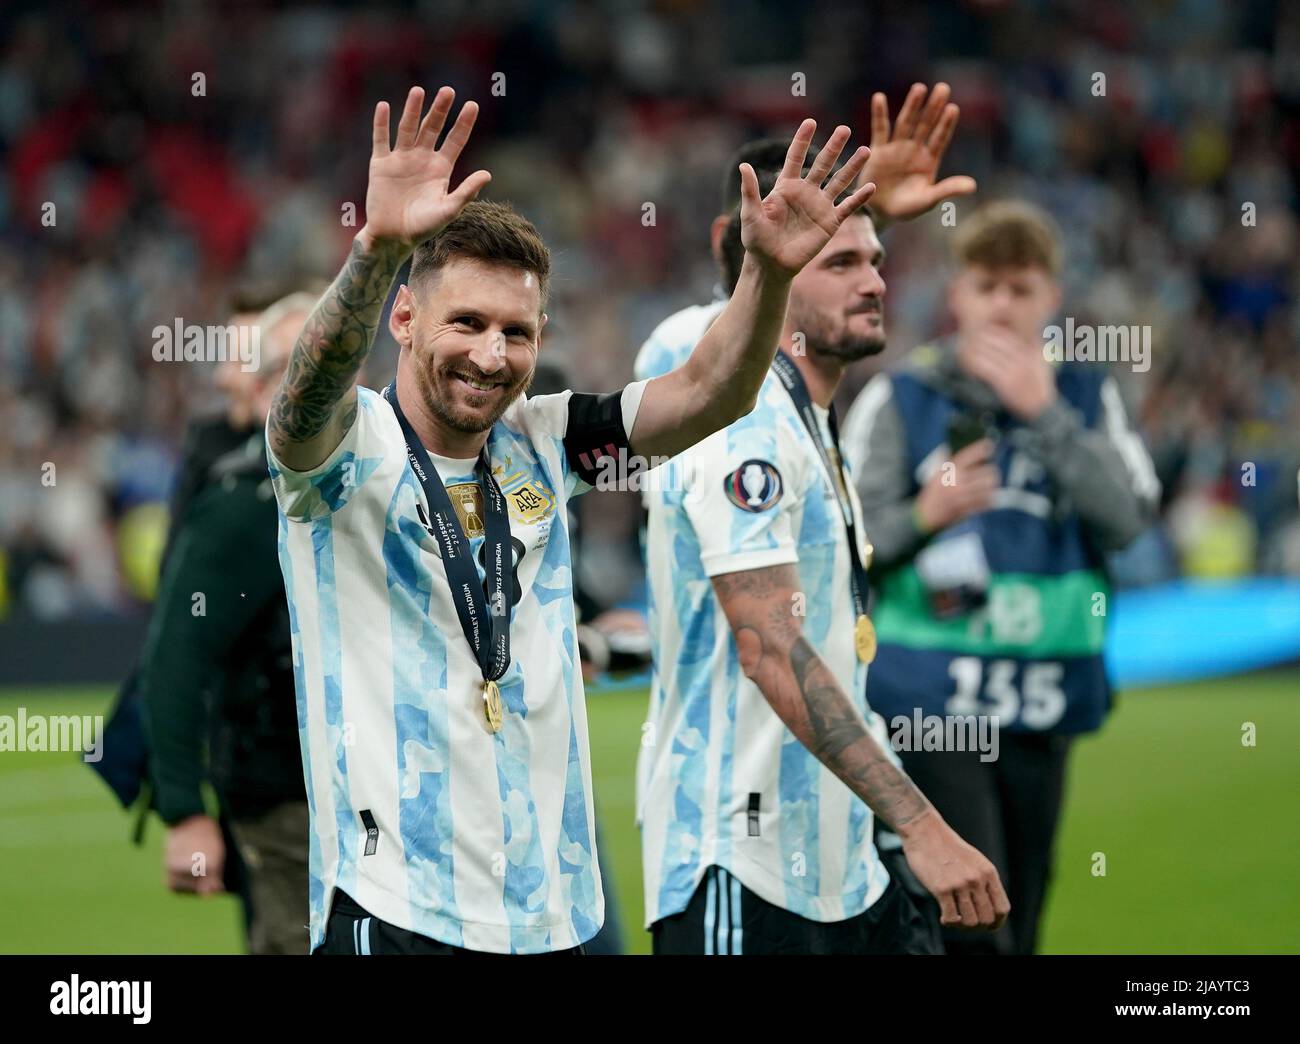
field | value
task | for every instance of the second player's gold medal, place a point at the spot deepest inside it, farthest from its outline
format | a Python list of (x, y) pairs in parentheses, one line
[(864, 639)]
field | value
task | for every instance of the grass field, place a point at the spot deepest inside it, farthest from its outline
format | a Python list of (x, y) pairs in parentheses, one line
[(1200, 833)]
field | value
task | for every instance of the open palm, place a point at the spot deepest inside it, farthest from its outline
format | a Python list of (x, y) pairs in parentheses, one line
[(408, 198), (904, 164), (790, 226)]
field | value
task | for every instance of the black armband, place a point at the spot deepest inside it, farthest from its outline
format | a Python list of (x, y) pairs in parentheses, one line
[(595, 431)]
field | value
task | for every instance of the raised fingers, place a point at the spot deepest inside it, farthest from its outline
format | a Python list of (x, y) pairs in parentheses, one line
[(942, 133), (432, 125), (879, 119), (830, 152), (379, 136), (794, 156), (855, 202), (932, 111), (410, 121), (910, 112), (845, 176), (460, 131)]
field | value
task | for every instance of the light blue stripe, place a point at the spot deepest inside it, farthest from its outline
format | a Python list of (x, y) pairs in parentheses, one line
[(421, 726), (318, 913), (737, 922), (364, 932), (331, 654), (724, 914)]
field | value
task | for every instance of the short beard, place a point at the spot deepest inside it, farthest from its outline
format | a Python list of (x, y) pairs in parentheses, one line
[(455, 420), (846, 347)]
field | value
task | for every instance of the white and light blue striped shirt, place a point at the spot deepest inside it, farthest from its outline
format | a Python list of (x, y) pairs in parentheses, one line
[(721, 780), (480, 840)]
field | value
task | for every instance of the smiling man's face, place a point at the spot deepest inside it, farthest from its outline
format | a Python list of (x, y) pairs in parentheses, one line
[(474, 331)]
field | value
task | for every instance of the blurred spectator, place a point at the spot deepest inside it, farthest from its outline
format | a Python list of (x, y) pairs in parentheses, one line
[(154, 157)]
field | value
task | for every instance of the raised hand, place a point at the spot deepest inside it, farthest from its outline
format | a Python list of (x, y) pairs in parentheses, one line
[(788, 228), (904, 165), (407, 200)]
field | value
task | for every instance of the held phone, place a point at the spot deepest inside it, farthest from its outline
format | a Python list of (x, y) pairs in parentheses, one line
[(965, 427)]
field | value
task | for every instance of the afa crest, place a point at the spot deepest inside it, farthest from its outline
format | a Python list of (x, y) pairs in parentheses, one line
[(530, 501)]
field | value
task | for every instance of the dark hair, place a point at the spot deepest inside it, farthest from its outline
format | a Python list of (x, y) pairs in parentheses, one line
[(732, 250), (767, 157), (1009, 234), (492, 232)]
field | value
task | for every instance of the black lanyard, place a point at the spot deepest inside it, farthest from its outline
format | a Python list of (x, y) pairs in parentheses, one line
[(790, 377), (488, 633)]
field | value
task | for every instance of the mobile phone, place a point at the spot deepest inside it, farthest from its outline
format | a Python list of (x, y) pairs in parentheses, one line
[(963, 429)]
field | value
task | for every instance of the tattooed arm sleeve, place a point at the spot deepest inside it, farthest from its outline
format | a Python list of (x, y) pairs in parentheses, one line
[(317, 400), (775, 655)]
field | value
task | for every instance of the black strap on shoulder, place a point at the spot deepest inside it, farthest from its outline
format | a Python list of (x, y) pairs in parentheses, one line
[(595, 431)]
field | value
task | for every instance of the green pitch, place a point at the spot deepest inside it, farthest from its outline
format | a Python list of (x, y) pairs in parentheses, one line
[(1200, 834)]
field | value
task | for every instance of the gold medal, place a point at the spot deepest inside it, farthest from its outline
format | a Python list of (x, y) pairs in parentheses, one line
[(492, 705), (864, 639)]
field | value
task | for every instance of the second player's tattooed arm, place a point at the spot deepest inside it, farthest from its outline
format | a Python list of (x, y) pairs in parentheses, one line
[(794, 679), (799, 686), (317, 400)]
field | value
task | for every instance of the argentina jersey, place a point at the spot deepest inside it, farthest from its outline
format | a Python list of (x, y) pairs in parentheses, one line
[(673, 340), (419, 812), (721, 780)]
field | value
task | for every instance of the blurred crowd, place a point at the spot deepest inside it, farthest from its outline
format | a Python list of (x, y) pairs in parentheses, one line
[(157, 159)]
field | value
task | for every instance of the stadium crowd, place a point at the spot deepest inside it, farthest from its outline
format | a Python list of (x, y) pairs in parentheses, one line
[(157, 162)]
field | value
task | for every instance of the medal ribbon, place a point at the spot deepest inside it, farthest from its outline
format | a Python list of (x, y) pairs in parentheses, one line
[(488, 632), (792, 380)]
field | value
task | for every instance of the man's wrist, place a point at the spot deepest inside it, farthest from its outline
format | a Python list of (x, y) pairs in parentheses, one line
[(764, 274), (370, 244), (918, 826)]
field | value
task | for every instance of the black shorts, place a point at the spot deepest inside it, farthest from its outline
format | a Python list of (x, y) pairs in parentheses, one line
[(351, 930), (725, 917)]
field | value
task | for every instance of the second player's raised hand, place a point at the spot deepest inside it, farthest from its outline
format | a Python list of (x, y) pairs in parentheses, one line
[(408, 198), (788, 228)]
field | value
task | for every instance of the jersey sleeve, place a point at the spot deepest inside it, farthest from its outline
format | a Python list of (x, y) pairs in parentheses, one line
[(324, 489), (594, 432), (742, 486)]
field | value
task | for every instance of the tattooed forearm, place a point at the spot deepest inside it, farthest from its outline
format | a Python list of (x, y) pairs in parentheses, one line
[(331, 348), (805, 695), (834, 722)]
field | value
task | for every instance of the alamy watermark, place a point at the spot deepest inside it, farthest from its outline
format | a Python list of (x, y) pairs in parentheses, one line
[(945, 732), (1083, 342), (72, 996), (632, 473), (189, 342), (52, 732)]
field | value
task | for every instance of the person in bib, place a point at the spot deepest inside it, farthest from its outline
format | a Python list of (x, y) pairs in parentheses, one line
[(994, 481)]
